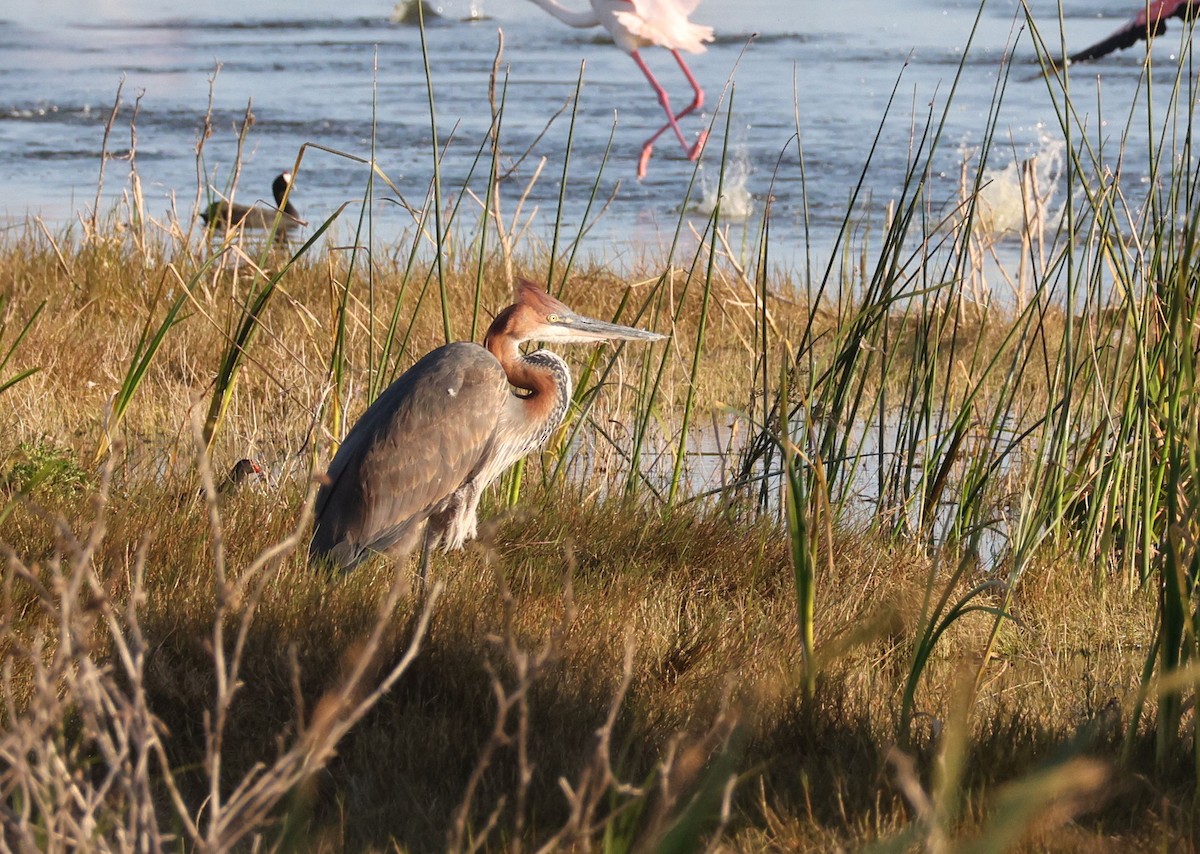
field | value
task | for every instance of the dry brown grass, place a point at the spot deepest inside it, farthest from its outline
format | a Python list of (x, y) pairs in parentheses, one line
[(707, 604), (702, 596)]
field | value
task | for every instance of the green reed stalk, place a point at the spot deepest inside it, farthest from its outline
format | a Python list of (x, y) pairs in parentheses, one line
[(586, 392), (759, 451), (802, 546), (649, 384), (586, 222), (936, 618), (144, 351), (367, 212), (562, 188), (491, 194), (1144, 503), (641, 428), (235, 355), (6, 384), (1164, 397), (337, 355), (581, 403), (391, 350), (436, 148), (516, 474), (702, 322)]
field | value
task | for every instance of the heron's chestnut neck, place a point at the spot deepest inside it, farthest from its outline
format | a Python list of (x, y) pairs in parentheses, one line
[(501, 341)]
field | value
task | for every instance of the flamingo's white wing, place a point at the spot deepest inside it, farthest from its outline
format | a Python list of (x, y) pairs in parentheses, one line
[(665, 23)]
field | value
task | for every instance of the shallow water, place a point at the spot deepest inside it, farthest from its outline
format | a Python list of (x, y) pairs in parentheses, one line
[(314, 69)]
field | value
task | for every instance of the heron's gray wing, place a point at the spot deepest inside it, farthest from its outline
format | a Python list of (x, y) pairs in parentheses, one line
[(412, 448)]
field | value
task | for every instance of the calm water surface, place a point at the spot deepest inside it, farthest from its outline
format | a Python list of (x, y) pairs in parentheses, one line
[(326, 73)]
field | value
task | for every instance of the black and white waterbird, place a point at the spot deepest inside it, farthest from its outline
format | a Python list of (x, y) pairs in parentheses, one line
[(222, 214)]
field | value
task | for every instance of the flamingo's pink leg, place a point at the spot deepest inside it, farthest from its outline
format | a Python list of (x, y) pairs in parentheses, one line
[(698, 97), (697, 103), (663, 98), (672, 118)]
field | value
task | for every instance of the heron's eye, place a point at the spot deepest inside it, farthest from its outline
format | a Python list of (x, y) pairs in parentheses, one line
[(552, 318)]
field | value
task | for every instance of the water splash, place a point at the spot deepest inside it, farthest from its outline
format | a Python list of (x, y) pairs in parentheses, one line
[(737, 202), (1023, 193)]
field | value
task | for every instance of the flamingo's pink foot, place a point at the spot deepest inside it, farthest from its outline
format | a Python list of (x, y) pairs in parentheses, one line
[(698, 148), (644, 160)]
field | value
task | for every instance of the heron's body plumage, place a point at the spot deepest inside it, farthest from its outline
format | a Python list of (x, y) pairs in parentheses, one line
[(396, 484)]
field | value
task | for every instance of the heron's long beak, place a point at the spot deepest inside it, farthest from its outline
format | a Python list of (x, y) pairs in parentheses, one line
[(566, 327)]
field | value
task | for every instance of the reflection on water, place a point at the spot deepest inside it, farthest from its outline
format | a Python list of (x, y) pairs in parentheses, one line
[(880, 477)]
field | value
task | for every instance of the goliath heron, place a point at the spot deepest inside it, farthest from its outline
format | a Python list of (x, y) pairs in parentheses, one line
[(411, 470), (634, 24), (221, 214)]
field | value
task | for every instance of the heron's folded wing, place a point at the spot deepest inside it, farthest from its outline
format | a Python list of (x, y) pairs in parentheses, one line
[(415, 445)]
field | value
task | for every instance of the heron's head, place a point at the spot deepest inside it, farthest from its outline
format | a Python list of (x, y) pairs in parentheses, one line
[(537, 316)]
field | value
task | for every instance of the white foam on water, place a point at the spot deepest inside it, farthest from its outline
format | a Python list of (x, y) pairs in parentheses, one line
[(737, 201), (1012, 196)]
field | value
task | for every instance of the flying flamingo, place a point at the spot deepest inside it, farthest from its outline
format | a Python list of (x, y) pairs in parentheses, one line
[(1151, 20), (634, 24)]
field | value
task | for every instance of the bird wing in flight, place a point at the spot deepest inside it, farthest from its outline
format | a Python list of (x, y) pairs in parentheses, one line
[(665, 23), (1150, 21), (1126, 37)]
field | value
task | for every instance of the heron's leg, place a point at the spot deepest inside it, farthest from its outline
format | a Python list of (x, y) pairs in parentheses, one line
[(427, 539), (672, 120), (460, 517)]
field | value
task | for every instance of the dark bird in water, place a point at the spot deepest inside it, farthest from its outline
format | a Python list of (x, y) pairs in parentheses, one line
[(238, 475), (1150, 21), (221, 214), (412, 469), (242, 471)]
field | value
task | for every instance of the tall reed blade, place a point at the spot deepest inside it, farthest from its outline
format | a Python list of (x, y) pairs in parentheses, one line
[(236, 353), (800, 540), (701, 322), (6, 384)]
